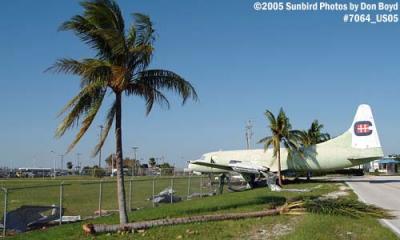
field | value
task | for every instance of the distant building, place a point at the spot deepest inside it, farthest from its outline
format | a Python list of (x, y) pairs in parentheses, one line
[(386, 165)]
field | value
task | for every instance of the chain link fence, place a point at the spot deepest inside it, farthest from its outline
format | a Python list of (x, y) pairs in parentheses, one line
[(92, 198)]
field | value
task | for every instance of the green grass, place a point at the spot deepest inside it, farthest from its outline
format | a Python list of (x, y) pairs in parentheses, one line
[(81, 194), (308, 226)]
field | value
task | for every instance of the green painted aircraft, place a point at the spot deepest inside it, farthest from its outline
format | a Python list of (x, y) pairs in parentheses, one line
[(358, 145)]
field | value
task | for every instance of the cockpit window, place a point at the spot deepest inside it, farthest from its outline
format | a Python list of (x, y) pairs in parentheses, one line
[(203, 157)]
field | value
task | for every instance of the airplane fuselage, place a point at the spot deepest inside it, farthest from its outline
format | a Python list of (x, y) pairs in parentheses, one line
[(337, 153)]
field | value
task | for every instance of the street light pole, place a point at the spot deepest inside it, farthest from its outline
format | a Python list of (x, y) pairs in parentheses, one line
[(134, 161), (77, 162), (62, 162), (54, 169)]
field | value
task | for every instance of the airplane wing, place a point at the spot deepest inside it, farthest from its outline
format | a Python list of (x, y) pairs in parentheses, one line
[(236, 167), (213, 165)]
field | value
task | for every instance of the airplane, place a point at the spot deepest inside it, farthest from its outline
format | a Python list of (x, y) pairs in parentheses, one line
[(358, 145)]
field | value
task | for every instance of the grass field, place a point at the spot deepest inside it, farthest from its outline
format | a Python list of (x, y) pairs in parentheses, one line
[(81, 195), (308, 226)]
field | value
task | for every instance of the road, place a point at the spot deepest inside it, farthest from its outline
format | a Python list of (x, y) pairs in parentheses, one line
[(382, 191)]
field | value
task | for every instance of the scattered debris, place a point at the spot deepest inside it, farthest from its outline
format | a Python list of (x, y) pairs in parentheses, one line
[(104, 212), (239, 189), (343, 191), (273, 232), (344, 188), (27, 217), (272, 180), (276, 188), (198, 195), (166, 196), (68, 219), (334, 195)]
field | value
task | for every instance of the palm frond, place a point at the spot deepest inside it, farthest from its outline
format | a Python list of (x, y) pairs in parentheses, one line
[(167, 80), (90, 114), (144, 29), (140, 57), (84, 96), (271, 118), (149, 93), (101, 26), (107, 126), (78, 106), (90, 70)]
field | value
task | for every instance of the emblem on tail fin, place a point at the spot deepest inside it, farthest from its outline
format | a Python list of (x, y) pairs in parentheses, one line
[(363, 128), (363, 131)]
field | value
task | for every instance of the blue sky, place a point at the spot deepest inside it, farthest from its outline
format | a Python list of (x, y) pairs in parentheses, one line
[(240, 61)]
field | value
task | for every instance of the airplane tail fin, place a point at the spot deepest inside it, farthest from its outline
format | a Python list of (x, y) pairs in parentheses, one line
[(363, 130)]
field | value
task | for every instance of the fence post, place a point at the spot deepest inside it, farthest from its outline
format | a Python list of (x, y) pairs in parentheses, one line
[(172, 188), (100, 196), (61, 201), (130, 195), (188, 189), (201, 186), (5, 211), (154, 179)]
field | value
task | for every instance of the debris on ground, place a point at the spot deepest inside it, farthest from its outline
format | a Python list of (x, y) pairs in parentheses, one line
[(165, 196), (277, 188), (104, 212), (198, 195), (342, 192), (27, 217), (272, 232), (271, 183), (68, 219)]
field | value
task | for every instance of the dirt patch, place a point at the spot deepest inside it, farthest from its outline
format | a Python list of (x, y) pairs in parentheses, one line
[(343, 191), (272, 231)]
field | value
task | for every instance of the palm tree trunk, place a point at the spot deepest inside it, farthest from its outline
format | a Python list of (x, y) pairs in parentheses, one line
[(123, 216), (279, 167), (101, 228)]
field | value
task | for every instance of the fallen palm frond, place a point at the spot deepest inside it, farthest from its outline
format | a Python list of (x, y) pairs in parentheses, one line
[(346, 207)]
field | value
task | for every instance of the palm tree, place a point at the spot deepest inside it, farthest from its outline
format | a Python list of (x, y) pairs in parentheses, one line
[(120, 67), (314, 135), (282, 133), (152, 162)]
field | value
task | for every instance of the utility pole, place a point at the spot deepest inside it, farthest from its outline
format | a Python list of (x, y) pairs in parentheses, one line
[(77, 162), (101, 130), (248, 133), (134, 161), (54, 168), (62, 162), (112, 165)]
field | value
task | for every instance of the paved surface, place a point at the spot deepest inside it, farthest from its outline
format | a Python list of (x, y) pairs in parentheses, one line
[(382, 191)]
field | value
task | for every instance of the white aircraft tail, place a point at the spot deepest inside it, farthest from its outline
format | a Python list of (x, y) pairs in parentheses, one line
[(363, 130)]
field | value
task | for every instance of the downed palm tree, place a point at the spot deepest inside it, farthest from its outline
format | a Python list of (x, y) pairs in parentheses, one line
[(346, 207)]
